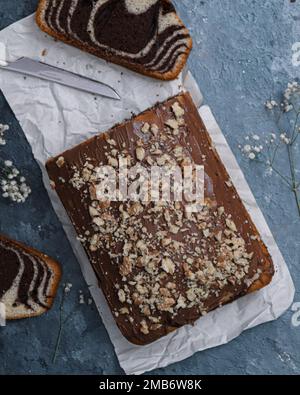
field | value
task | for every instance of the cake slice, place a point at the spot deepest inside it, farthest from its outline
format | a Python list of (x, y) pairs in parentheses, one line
[(146, 36), (160, 265), (28, 280)]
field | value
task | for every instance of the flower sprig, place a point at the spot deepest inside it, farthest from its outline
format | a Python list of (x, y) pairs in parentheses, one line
[(265, 150), (13, 185), (64, 317)]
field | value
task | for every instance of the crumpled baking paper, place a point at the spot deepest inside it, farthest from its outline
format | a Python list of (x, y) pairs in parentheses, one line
[(55, 118)]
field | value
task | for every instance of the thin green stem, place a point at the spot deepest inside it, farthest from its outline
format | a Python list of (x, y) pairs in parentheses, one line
[(279, 117), (293, 174), (295, 133), (274, 154), (61, 322), (283, 177), (292, 181), (286, 179)]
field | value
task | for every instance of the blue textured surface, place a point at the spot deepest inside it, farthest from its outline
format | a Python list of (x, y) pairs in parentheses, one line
[(242, 55)]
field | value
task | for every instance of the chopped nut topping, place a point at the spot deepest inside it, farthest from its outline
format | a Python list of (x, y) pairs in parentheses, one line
[(60, 161), (173, 124), (113, 162), (221, 210), (145, 128), (173, 229), (206, 232), (94, 242), (166, 304), (111, 142), (164, 292), (140, 153), (98, 221), (167, 256), (121, 295), (135, 209), (168, 266), (218, 236), (154, 130), (177, 110), (231, 225), (146, 311), (126, 267), (124, 310), (144, 327), (165, 242), (93, 212), (181, 302), (191, 294)]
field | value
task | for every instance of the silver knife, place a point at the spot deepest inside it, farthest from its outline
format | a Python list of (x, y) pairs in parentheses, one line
[(37, 69)]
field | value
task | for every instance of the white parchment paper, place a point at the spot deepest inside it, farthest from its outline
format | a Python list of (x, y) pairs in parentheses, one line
[(55, 118)]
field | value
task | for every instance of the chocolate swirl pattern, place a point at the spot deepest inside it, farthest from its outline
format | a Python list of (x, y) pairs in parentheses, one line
[(28, 280), (144, 35)]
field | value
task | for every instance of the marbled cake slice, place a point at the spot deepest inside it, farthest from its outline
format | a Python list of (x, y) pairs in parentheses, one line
[(144, 35), (28, 280)]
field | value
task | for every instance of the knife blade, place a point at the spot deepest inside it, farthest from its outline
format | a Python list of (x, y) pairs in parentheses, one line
[(44, 71)]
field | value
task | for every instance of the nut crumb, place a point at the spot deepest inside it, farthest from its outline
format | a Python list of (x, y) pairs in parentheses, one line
[(168, 266), (144, 327), (60, 161), (140, 153), (126, 267), (177, 110), (146, 127), (121, 295)]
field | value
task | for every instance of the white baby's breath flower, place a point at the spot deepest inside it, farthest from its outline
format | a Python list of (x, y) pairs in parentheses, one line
[(266, 149), (293, 89), (284, 138), (13, 186), (269, 170), (67, 287), (8, 163), (288, 107), (81, 299), (271, 104), (247, 148), (258, 148)]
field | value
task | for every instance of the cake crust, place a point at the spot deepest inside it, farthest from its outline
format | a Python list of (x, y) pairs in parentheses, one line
[(20, 310), (221, 257), (107, 55)]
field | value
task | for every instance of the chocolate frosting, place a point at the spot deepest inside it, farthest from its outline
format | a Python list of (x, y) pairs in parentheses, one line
[(219, 193)]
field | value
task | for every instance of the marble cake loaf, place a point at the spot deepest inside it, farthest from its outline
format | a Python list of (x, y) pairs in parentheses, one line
[(146, 36), (159, 265), (28, 280)]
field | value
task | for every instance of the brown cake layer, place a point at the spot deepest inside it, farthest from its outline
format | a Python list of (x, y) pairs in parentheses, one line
[(160, 266), (146, 36)]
